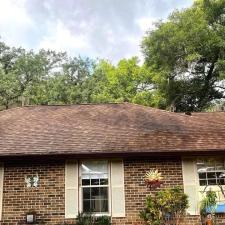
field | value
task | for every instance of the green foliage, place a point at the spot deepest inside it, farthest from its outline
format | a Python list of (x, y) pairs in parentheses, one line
[(186, 55), (208, 203), (9, 88), (184, 68), (103, 220), (48, 77), (168, 203), (85, 219), (89, 219), (126, 82)]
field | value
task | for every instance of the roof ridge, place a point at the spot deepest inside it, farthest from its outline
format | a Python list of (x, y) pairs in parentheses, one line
[(157, 109), (10, 109), (109, 103), (209, 112), (63, 105)]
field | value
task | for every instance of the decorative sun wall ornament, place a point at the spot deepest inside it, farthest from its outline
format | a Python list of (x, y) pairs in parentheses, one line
[(32, 181), (153, 179)]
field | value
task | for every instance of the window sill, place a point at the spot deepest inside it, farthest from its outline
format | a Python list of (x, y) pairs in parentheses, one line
[(99, 214)]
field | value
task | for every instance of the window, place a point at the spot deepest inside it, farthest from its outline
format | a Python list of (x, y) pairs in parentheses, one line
[(95, 187), (211, 172)]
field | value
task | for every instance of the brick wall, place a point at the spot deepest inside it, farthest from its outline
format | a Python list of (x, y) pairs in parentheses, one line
[(48, 199), (136, 190)]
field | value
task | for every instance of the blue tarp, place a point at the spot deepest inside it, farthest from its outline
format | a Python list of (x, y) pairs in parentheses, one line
[(220, 208)]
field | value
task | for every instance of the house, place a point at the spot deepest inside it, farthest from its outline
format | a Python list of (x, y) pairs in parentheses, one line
[(61, 160)]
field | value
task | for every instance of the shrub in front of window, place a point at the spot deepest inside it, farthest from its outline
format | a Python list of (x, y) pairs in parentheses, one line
[(103, 220), (89, 219), (208, 205), (166, 205), (85, 219)]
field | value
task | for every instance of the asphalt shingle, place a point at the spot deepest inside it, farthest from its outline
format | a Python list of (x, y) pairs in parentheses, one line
[(107, 128)]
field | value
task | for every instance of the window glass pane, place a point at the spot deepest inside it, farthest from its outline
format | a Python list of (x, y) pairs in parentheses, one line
[(104, 192), (94, 167), (99, 206), (221, 181), (85, 176), (211, 175), (202, 175), (86, 193), (85, 182), (96, 175), (103, 181), (94, 181), (212, 182), (203, 182), (96, 205), (220, 175), (104, 206), (86, 206), (95, 193)]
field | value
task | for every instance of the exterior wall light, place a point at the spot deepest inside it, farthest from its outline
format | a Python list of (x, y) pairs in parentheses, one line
[(31, 217)]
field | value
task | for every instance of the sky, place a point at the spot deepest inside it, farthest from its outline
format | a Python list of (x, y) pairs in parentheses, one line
[(110, 29)]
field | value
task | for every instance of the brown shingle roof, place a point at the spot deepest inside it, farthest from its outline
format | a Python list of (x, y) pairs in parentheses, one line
[(106, 128), (216, 117)]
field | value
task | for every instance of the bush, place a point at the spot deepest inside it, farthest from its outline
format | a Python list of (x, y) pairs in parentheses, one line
[(103, 220), (208, 203), (90, 219), (85, 219), (166, 205), (208, 206)]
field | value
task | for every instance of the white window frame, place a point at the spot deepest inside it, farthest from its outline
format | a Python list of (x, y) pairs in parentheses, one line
[(109, 188), (214, 187)]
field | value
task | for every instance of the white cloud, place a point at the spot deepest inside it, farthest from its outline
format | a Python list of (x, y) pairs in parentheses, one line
[(14, 21), (146, 23), (111, 29), (14, 11), (60, 38)]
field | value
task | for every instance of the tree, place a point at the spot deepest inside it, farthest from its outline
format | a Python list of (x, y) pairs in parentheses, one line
[(186, 55), (68, 85), (23, 72), (125, 82), (9, 88)]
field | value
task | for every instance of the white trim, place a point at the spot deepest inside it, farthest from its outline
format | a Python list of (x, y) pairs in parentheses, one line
[(109, 188), (118, 191), (71, 189), (190, 179)]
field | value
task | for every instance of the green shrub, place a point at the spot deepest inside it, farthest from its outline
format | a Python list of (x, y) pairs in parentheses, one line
[(85, 219), (168, 204), (90, 219), (208, 203), (103, 220)]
